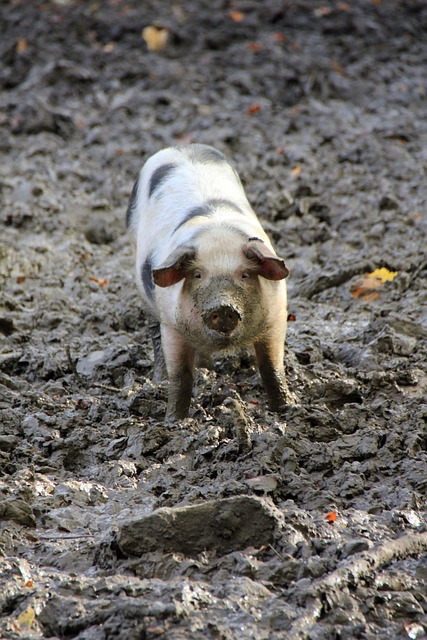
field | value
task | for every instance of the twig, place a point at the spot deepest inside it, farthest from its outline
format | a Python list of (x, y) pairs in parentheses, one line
[(317, 283), (65, 536), (72, 363), (351, 571), (106, 387)]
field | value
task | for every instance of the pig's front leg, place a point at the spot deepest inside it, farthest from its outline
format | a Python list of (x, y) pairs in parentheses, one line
[(179, 359), (270, 356)]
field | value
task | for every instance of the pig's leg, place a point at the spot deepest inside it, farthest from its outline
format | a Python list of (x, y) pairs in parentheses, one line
[(270, 357), (179, 358), (159, 366)]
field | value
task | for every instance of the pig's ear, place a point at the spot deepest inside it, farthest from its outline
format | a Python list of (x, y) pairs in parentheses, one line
[(266, 263), (175, 268)]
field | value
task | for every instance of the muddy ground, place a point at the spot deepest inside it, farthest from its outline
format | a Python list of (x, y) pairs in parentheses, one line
[(237, 523)]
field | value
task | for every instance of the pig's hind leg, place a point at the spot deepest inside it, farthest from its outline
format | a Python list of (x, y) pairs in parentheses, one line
[(159, 366), (179, 358)]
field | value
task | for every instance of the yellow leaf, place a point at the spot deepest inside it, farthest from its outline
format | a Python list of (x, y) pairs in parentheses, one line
[(21, 45), (383, 274), (156, 38), (26, 618)]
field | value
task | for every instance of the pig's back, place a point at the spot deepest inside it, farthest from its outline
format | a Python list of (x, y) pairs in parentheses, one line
[(177, 185)]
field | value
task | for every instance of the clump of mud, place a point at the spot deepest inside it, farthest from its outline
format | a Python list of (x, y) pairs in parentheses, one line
[(237, 522)]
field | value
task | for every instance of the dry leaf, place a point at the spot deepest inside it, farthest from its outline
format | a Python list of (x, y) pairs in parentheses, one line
[(367, 287), (279, 37), (256, 47), (337, 66), (21, 45), (155, 38), (100, 281), (253, 109), (185, 138), (109, 47), (296, 171), (236, 16), (291, 317), (331, 517), (383, 274), (322, 11), (26, 618)]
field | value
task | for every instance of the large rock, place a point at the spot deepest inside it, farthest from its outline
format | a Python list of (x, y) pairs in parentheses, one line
[(225, 525)]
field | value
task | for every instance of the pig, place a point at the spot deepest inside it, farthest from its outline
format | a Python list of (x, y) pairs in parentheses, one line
[(206, 269)]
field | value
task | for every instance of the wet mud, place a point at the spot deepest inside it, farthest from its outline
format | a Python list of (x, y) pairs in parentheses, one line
[(237, 522)]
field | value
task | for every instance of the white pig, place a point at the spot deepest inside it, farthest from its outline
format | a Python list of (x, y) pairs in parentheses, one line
[(206, 269)]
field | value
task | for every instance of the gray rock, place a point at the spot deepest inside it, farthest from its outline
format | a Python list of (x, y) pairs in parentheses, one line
[(225, 525)]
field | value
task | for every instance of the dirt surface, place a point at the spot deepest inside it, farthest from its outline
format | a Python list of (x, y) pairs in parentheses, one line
[(237, 523)]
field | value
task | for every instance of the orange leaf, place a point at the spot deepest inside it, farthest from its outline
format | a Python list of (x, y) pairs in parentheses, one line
[(291, 317), (253, 109), (21, 279), (296, 171), (331, 517), (21, 45), (100, 281), (279, 37), (256, 47), (236, 16), (367, 287)]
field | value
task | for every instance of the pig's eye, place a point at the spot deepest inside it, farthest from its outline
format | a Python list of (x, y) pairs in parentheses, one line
[(197, 275), (245, 275)]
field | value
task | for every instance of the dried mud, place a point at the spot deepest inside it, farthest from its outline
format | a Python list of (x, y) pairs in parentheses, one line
[(115, 525)]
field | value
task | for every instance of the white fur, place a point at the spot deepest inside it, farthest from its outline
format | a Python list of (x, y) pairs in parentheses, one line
[(190, 184), (220, 268)]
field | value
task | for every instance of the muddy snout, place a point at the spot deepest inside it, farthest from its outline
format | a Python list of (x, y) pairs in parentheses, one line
[(223, 319)]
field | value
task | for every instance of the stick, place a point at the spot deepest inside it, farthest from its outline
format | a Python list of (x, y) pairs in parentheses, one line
[(351, 571)]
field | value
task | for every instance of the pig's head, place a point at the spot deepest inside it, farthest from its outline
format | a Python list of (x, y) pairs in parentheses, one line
[(223, 301)]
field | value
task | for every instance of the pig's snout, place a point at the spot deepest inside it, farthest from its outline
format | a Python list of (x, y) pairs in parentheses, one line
[(223, 319)]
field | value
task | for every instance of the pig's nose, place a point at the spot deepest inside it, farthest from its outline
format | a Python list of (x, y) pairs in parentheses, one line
[(224, 319)]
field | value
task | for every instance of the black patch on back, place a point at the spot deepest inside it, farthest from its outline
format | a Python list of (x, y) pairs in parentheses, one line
[(132, 204), (198, 212), (205, 154), (208, 209), (147, 277), (159, 176), (223, 202)]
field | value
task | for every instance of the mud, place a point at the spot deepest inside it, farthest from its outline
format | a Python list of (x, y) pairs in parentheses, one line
[(321, 106)]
